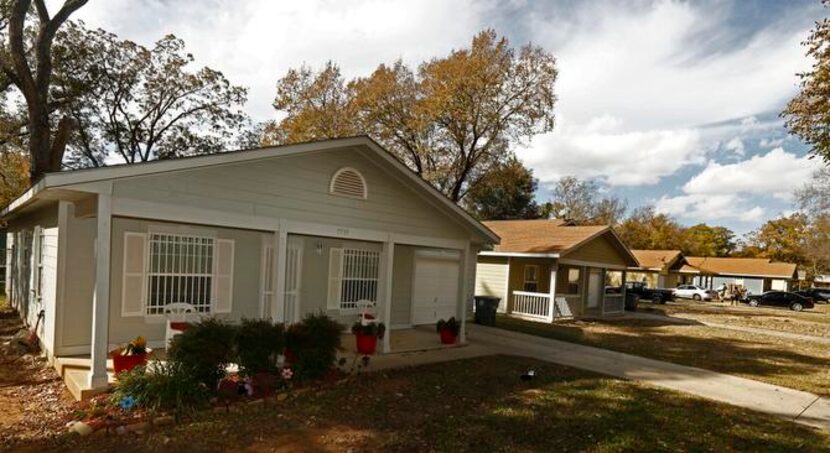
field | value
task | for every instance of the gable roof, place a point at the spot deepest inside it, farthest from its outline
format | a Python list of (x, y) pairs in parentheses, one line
[(549, 237), (657, 259), (757, 267), (57, 180)]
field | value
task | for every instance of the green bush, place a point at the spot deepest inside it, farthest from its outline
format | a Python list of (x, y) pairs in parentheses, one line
[(314, 341), (204, 350), (162, 386), (258, 344)]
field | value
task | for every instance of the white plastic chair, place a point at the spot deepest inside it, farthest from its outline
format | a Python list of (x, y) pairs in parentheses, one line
[(178, 312), (366, 312)]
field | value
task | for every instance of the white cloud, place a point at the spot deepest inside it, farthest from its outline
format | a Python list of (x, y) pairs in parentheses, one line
[(777, 173), (730, 191), (603, 149), (736, 146), (255, 42)]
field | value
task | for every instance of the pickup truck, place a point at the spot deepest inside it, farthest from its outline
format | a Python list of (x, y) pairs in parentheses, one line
[(656, 295)]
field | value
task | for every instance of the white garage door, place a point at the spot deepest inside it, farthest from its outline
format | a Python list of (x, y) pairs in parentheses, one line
[(435, 287)]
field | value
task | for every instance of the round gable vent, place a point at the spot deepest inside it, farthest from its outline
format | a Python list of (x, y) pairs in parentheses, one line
[(348, 182)]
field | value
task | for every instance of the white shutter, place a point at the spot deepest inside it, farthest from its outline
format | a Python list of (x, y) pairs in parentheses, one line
[(223, 277), (134, 284), (335, 278)]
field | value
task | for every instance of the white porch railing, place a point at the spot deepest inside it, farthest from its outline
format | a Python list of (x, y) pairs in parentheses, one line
[(533, 306)]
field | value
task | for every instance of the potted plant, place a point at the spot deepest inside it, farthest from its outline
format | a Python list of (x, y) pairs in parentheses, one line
[(130, 356), (448, 330), (367, 336)]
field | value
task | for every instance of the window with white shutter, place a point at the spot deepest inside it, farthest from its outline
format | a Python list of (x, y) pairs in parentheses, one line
[(133, 286), (223, 301), (181, 269)]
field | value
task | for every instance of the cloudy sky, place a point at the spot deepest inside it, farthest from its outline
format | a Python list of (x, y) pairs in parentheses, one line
[(667, 103)]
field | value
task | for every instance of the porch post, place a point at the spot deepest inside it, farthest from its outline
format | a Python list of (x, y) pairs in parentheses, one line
[(387, 269), (602, 273), (552, 290), (278, 310), (466, 255), (101, 294)]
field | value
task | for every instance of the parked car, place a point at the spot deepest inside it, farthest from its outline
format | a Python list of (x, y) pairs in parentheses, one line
[(695, 292), (820, 295), (656, 295), (793, 301)]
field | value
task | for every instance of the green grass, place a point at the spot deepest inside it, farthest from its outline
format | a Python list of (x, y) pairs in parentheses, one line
[(790, 363), (475, 405)]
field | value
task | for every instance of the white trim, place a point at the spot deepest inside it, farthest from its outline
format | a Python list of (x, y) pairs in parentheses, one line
[(128, 207), (448, 255), (214, 307), (100, 299), (525, 281), (592, 264), (278, 307), (143, 274), (60, 288), (520, 254), (386, 271), (357, 172)]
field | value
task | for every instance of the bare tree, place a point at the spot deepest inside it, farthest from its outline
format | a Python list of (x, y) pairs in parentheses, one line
[(29, 68)]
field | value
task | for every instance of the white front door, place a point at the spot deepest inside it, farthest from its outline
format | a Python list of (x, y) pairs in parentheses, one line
[(434, 288), (594, 288)]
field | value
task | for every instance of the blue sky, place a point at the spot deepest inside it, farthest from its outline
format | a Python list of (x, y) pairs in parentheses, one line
[(667, 103)]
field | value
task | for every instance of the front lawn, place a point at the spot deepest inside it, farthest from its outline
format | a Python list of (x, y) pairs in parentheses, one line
[(474, 405), (790, 363), (808, 322)]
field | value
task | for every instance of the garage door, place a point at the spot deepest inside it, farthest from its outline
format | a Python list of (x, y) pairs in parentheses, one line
[(435, 287)]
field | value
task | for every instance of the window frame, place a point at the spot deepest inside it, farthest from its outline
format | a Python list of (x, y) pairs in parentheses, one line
[(534, 281), (207, 305), (340, 171), (37, 256), (356, 253)]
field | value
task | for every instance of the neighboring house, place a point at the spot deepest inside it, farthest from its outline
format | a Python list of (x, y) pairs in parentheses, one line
[(547, 269), (822, 281), (272, 233), (757, 275), (658, 268)]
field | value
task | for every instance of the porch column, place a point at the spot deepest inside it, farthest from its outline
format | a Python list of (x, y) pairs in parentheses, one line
[(278, 310), (387, 271), (552, 291), (602, 275), (101, 294), (466, 255)]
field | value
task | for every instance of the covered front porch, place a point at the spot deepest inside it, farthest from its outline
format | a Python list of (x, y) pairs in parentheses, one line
[(545, 290)]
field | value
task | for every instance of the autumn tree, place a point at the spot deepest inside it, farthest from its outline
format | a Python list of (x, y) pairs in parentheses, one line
[(647, 229), (781, 239), (14, 176), (808, 114), (506, 193), (146, 103), (705, 240), (28, 30), (451, 120), (583, 203)]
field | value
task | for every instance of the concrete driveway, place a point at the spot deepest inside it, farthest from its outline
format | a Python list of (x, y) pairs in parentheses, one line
[(802, 407)]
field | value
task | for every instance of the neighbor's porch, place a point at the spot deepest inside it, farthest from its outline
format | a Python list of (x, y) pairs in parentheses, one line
[(545, 290)]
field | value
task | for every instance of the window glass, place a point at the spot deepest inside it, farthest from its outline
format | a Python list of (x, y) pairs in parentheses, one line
[(180, 270), (359, 271), (531, 280)]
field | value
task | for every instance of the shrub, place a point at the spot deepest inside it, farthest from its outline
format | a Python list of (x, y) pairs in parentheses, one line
[(451, 324), (161, 386), (314, 341), (258, 344), (204, 350), (371, 329)]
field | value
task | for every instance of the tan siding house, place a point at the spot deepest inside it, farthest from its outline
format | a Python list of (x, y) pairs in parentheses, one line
[(547, 269), (274, 233)]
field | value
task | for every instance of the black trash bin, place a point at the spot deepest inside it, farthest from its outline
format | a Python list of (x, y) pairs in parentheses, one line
[(486, 307), (631, 301)]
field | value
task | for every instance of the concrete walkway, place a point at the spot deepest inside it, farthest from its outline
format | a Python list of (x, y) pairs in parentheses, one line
[(802, 407), (756, 330)]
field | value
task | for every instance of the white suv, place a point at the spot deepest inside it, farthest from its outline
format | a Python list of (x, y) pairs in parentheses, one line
[(694, 292)]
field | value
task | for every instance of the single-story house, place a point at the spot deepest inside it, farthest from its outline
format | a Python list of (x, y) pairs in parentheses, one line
[(757, 275), (657, 268), (271, 233), (548, 269)]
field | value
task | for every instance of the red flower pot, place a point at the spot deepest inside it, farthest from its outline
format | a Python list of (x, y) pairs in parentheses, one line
[(366, 344), (447, 337), (123, 363)]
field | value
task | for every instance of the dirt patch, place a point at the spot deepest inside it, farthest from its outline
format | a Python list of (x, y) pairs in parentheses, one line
[(34, 402)]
